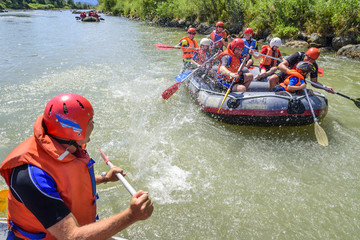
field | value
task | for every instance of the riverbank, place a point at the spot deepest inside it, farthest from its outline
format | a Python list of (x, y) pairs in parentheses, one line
[(341, 46)]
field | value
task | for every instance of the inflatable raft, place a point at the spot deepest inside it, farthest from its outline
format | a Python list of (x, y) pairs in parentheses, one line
[(90, 19), (258, 106)]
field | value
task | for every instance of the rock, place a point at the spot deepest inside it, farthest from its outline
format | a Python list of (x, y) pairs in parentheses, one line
[(297, 44), (351, 51), (339, 42)]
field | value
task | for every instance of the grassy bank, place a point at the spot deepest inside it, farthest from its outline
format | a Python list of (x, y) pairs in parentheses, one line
[(283, 18)]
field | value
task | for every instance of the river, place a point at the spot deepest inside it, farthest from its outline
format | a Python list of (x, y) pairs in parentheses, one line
[(208, 180)]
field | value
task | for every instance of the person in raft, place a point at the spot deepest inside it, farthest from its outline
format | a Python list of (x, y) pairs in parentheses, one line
[(295, 81), (230, 61), (250, 43), (268, 65), (188, 45), (290, 63), (219, 37), (201, 56), (52, 182)]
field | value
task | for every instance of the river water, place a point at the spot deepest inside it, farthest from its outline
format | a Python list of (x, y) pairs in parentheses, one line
[(208, 180)]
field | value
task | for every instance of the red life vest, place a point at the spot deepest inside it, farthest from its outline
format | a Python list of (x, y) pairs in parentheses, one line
[(292, 73), (270, 52), (187, 52), (70, 173), (234, 64), (215, 37)]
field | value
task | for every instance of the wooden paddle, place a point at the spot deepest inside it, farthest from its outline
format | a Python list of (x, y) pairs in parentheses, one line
[(172, 89), (3, 199), (127, 185), (319, 132), (232, 82), (161, 46), (356, 101)]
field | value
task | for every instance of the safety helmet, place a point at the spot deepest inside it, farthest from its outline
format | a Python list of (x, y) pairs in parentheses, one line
[(205, 42), (67, 116), (219, 24), (313, 53), (275, 42), (191, 30), (305, 67), (248, 30), (237, 43)]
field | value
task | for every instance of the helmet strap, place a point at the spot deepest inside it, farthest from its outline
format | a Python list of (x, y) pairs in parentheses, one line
[(69, 142)]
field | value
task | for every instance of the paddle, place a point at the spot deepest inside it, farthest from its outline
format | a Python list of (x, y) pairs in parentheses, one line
[(3, 199), (128, 187), (356, 101), (232, 82), (161, 46), (171, 90), (319, 132)]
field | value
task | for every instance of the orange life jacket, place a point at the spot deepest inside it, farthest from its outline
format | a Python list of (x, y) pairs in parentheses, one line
[(270, 52), (234, 64), (292, 73), (215, 37), (187, 52), (71, 174)]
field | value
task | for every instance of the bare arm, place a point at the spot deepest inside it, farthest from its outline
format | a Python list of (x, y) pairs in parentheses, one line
[(110, 176), (283, 66), (315, 80), (297, 88), (141, 208)]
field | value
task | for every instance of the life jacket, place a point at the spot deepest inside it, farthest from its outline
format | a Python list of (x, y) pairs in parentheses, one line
[(215, 37), (234, 64), (203, 57), (248, 45), (187, 52), (270, 52), (292, 73), (74, 178), (90, 14)]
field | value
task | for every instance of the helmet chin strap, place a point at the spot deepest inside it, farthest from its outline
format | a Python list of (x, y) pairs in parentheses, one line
[(69, 142)]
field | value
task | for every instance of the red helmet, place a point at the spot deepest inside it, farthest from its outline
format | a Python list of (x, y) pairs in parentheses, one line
[(237, 43), (248, 30), (67, 116), (219, 24), (313, 53), (191, 30)]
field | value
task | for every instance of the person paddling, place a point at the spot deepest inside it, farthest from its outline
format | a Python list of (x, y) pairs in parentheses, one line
[(268, 65), (250, 43), (219, 37), (295, 80), (188, 45), (230, 61), (52, 181), (290, 63)]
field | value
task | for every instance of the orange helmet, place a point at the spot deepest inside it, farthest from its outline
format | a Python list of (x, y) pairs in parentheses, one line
[(313, 53), (237, 43), (191, 30), (219, 24), (67, 116), (248, 30)]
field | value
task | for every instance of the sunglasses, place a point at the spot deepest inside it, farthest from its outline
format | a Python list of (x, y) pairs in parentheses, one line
[(192, 33)]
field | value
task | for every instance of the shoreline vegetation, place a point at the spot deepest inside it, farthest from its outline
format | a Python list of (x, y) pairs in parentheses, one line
[(327, 24)]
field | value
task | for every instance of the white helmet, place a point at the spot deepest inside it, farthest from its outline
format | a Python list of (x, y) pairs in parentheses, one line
[(205, 41), (275, 42)]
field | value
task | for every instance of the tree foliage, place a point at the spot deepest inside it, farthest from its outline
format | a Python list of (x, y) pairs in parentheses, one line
[(41, 4), (284, 18)]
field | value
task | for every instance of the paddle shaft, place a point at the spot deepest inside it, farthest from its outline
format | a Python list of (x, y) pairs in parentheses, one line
[(265, 55), (327, 89), (192, 73), (126, 184), (311, 108), (232, 82)]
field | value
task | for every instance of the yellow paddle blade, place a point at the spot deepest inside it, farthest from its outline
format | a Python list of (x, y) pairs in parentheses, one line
[(227, 93), (3, 199), (321, 135)]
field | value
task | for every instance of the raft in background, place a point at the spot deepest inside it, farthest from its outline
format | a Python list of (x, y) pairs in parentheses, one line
[(258, 106)]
